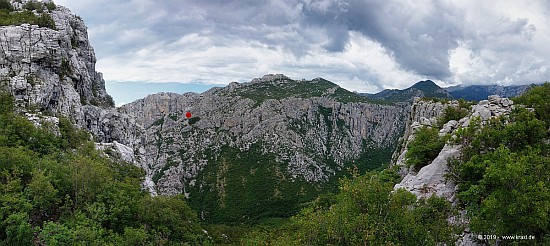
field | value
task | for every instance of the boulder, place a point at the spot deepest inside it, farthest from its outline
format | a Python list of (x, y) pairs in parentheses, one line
[(430, 180)]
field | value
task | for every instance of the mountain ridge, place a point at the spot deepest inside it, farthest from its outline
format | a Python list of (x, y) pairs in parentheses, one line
[(428, 88)]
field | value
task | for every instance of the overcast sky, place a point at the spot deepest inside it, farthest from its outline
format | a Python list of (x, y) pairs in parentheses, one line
[(362, 45)]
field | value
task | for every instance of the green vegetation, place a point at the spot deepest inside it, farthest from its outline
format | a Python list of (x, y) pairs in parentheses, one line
[(174, 116), (65, 69), (59, 190), (247, 187), (537, 98), (504, 174), (455, 113), (6, 6), (159, 122), (425, 146), (9, 16), (365, 211), (193, 120), (286, 88)]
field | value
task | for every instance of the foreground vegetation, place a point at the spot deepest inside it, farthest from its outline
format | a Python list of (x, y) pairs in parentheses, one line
[(59, 190), (365, 211), (56, 189), (504, 172)]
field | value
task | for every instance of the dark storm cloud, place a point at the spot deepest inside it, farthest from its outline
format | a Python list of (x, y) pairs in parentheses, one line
[(384, 44), (419, 41)]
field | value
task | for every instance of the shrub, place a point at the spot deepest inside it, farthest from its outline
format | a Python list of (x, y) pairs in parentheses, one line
[(6, 6), (452, 113), (424, 148), (538, 97), (18, 18)]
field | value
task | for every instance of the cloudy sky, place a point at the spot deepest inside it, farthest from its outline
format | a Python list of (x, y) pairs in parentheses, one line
[(362, 45)]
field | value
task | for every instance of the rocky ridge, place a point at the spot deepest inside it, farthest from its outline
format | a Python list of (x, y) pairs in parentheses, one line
[(314, 128), (431, 179), (302, 132)]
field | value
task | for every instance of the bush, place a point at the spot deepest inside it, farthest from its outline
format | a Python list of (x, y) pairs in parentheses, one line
[(503, 176), (366, 211), (6, 6), (424, 148), (60, 190), (18, 18), (452, 113), (538, 97)]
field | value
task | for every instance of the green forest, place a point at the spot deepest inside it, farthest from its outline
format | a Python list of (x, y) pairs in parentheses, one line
[(57, 189)]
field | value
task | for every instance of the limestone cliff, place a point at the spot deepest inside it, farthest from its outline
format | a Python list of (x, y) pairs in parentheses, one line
[(314, 136), (52, 70), (289, 138), (432, 178)]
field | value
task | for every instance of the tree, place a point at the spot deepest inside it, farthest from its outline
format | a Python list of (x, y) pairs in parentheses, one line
[(169, 218), (366, 212), (43, 196), (18, 230), (537, 97), (513, 197)]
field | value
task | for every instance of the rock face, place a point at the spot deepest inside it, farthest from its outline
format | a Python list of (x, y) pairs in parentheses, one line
[(430, 180), (290, 136), (52, 70), (423, 113), (314, 137)]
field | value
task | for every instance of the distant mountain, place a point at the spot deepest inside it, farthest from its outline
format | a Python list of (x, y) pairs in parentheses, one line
[(429, 89), (481, 92), (425, 88)]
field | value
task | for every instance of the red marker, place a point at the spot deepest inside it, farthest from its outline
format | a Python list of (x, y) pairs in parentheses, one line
[(188, 115)]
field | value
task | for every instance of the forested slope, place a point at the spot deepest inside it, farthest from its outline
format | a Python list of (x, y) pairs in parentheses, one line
[(57, 189), (502, 182)]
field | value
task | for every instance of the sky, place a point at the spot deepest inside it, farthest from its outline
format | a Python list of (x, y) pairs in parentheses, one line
[(362, 45)]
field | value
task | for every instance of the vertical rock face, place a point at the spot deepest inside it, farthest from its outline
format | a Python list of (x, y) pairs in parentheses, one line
[(422, 113), (51, 69), (315, 137)]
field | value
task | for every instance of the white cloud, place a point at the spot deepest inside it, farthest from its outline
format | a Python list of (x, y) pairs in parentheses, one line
[(362, 45)]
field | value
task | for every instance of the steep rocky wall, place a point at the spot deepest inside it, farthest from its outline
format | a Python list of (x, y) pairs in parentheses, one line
[(421, 113), (52, 70), (300, 132)]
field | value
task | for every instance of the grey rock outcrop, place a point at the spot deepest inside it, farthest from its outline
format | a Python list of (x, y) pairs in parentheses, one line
[(431, 179), (423, 113), (301, 132), (52, 70)]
